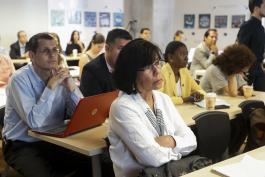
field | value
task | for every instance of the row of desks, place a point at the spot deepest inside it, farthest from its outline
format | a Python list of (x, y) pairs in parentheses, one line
[(91, 143), (27, 60)]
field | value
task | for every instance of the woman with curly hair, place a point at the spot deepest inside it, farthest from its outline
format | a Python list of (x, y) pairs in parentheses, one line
[(225, 75)]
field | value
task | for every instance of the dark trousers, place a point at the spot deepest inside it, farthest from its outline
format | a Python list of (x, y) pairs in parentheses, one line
[(258, 82), (239, 131), (41, 159)]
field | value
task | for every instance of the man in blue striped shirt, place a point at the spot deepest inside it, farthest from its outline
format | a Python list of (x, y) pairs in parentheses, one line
[(39, 94)]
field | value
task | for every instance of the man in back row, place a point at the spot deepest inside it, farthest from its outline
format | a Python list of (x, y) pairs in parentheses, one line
[(145, 33), (205, 51), (40, 94), (96, 77), (18, 49)]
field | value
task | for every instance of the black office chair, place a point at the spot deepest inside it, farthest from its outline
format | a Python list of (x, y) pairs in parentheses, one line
[(213, 134), (254, 121), (250, 105)]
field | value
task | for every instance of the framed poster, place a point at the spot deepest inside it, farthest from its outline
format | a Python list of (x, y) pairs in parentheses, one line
[(220, 21), (57, 17), (90, 19), (204, 20), (237, 20), (118, 19), (189, 21), (74, 17), (104, 19)]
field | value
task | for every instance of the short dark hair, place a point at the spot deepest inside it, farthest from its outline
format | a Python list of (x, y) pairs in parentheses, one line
[(143, 29), (18, 33), (172, 47), (179, 32), (97, 38), (234, 58), (134, 56), (254, 3), (34, 41), (206, 34), (117, 34)]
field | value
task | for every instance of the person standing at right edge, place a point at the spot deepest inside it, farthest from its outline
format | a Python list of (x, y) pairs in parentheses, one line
[(252, 34)]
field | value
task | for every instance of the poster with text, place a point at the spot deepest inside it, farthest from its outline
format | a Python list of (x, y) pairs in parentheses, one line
[(204, 21), (237, 20), (57, 17), (74, 17), (118, 19), (189, 21), (104, 19), (90, 19), (220, 21)]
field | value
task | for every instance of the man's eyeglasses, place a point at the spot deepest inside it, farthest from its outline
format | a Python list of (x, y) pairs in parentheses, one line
[(152, 67), (47, 52)]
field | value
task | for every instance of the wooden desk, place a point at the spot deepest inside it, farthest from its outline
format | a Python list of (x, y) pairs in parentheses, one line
[(72, 58), (187, 111), (89, 142), (207, 172), (21, 61)]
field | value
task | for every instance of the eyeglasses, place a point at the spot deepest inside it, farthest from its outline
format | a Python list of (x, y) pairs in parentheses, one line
[(47, 52), (155, 65)]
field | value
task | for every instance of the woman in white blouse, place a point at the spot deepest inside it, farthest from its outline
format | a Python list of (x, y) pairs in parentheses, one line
[(145, 128)]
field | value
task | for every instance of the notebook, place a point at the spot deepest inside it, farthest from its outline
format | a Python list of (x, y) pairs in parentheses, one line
[(90, 112)]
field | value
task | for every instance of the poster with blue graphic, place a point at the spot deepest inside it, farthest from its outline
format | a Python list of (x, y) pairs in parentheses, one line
[(118, 19), (204, 20), (104, 19), (189, 21), (74, 17), (57, 17), (90, 19)]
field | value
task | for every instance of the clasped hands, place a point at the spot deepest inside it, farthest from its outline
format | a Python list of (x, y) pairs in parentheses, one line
[(61, 76)]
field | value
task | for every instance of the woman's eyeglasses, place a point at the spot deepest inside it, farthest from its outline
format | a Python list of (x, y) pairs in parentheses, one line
[(152, 67)]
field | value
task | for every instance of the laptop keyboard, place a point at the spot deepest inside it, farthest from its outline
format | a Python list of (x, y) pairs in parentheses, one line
[(57, 129)]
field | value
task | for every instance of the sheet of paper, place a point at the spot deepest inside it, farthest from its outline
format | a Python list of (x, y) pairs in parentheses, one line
[(247, 167), (218, 103)]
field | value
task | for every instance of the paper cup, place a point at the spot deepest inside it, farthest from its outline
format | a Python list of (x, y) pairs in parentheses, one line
[(74, 52), (248, 91), (210, 100)]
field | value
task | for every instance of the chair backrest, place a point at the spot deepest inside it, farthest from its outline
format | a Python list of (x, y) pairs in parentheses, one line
[(254, 114), (213, 134), (250, 105)]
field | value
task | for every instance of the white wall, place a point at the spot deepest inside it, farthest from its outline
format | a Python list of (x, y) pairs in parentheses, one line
[(213, 7), (140, 10), (164, 17), (33, 16), (28, 15), (82, 5)]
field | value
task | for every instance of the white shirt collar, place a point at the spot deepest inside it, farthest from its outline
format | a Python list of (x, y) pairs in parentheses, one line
[(109, 67)]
